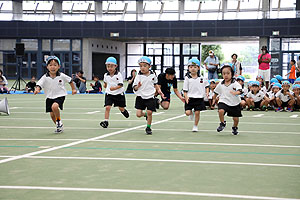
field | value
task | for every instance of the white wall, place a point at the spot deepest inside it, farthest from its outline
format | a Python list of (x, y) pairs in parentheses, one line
[(92, 45)]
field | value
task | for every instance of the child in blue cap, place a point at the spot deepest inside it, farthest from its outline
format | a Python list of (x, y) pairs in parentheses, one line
[(284, 98), (296, 91)]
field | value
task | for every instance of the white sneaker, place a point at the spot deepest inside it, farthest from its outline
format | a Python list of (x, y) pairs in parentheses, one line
[(191, 117), (59, 127), (195, 128)]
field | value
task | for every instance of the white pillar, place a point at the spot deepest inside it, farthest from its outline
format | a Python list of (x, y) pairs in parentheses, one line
[(98, 10), (87, 56), (57, 10), (139, 10), (181, 9), (17, 7), (266, 7), (224, 8)]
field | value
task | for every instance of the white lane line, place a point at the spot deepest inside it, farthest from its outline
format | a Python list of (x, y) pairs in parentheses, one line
[(93, 112), (83, 141), (155, 129), (158, 113), (159, 142), (293, 116), (156, 192), (259, 115), (162, 160), (13, 108)]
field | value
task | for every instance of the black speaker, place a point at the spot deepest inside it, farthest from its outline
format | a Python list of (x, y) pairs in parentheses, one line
[(19, 49)]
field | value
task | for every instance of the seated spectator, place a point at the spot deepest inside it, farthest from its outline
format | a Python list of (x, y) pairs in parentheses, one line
[(97, 87), (30, 85), (130, 81), (4, 79), (80, 82), (3, 88)]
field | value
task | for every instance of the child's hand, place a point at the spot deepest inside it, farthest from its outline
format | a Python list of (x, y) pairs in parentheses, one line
[(91, 84), (162, 95), (139, 85), (182, 99), (74, 92), (112, 88), (36, 91)]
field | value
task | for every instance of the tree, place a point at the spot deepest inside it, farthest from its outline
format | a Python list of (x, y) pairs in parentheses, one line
[(217, 50)]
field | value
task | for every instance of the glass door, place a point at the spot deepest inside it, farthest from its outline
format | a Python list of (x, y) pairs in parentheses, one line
[(286, 58)]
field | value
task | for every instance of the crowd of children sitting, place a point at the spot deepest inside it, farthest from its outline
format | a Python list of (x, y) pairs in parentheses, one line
[(281, 96)]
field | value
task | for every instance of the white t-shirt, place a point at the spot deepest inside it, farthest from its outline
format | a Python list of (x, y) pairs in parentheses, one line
[(271, 94), (195, 87), (225, 95), (256, 97), (113, 81), (54, 87), (147, 90), (5, 80), (282, 97), (245, 92), (264, 89)]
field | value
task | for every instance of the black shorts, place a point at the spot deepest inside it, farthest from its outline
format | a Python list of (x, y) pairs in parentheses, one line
[(206, 103), (257, 104), (168, 97), (58, 100), (142, 104), (116, 100), (195, 103), (232, 111), (285, 104)]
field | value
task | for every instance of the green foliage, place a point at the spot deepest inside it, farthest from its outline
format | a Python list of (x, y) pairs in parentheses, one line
[(249, 56), (216, 48), (247, 76)]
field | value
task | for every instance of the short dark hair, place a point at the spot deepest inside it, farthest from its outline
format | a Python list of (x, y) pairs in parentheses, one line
[(293, 61), (95, 76), (228, 66), (170, 71), (1, 71), (234, 55), (80, 71)]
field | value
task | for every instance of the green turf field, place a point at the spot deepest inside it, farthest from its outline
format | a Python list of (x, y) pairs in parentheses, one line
[(121, 162)]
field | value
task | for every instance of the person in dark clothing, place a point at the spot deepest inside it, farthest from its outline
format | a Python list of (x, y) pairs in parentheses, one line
[(165, 82), (31, 85), (80, 82), (97, 87), (130, 81)]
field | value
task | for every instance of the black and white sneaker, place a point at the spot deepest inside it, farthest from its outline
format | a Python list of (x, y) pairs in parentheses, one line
[(148, 131), (222, 126), (125, 113), (104, 124), (59, 127), (235, 131)]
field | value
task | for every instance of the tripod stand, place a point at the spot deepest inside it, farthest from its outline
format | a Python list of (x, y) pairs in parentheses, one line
[(17, 84)]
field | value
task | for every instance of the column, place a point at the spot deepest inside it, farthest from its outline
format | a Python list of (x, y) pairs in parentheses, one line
[(266, 7), (139, 10), (224, 8), (17, 6), (98, 10), (181, 9), (57, 10)]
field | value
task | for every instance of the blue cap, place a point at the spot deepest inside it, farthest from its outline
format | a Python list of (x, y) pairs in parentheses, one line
[(240, 77), (250, 83), (278, 77), (194, 61), (273, 80), (217, 80), (255, 83), (277, 85), (260, 76), (297, 79), (52, 58), (296, 86), (144, 59), (285, 83), (211, 80), (111, 60)]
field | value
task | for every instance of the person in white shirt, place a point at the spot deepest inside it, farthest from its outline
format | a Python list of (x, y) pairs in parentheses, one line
[(241, 80), (284, 98), (296, 91), (53, 83), (275, 87), (145, 86), (195, 88), (114, 93), (208, 99), (256, 99), (262, 86), (229, 102)]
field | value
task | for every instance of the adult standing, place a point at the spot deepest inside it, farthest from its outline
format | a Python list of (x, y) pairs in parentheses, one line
[(298, 68), (236, 65), (80, 82), (211, 63), (264, 60)]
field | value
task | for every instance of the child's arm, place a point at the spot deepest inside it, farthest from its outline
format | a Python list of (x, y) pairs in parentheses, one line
[(207, 91), (179, 95), (186, 97), (74, 91), (116, 87), (159, 91), (37, 89), (235, 92), (214, 99)]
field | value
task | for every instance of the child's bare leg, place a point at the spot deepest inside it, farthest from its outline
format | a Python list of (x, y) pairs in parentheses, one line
[(53, 117), (140, 113), (55, 109), (221, 115), (197, 117), (149, 115), (188, 112), (291, 103), (279, 102), (121, 109), (235, 121), (107, 110)]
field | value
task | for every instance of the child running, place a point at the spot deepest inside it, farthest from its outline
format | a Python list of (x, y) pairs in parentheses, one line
[(53, 83), (114, 93), (194, 88), (229, 91), (145, 86)]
